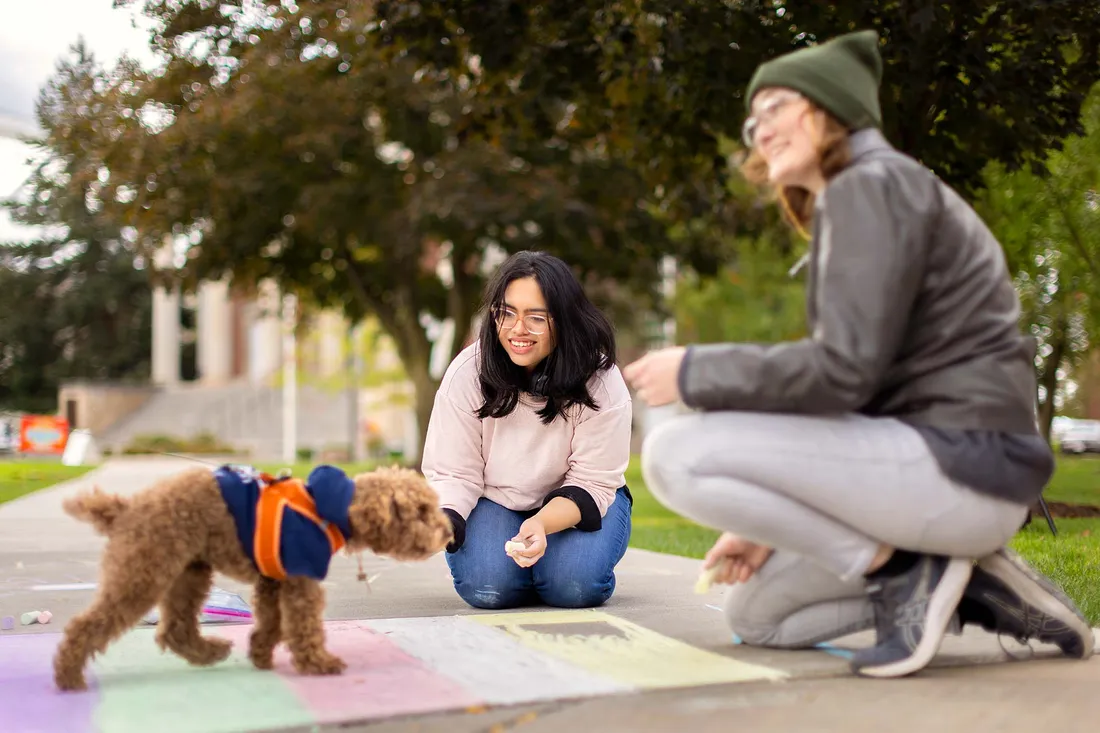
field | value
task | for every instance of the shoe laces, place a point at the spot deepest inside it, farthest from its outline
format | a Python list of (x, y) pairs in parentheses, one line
[(1021, 639), (1025, 618), (883, 610)]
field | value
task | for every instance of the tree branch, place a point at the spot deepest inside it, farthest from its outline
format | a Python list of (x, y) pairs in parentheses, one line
[(1074, 234)]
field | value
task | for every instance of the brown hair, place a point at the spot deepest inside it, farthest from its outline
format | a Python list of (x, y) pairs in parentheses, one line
[(798, 203)]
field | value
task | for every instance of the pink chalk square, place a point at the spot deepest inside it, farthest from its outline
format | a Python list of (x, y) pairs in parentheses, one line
[(380, 681)]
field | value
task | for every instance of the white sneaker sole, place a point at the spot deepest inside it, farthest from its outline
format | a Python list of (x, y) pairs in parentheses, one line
[(941, 607), (1020, 579)]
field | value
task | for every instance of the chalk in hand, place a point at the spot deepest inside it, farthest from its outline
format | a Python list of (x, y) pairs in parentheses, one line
[(706, 578), (510, 547)]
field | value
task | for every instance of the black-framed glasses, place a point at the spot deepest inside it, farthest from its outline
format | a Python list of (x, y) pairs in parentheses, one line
[(535, 323)]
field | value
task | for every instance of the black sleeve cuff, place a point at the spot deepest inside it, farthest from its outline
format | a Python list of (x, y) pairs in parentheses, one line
[(458, 524), (591, 521), (682, 381)]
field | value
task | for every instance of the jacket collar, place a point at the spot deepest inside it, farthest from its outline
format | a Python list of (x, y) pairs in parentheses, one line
[(866, 141)]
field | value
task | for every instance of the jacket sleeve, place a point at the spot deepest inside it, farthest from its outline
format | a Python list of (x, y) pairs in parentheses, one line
[(869, 262)]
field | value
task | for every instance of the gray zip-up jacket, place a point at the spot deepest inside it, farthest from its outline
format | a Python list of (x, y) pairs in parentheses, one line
[(912, 315)]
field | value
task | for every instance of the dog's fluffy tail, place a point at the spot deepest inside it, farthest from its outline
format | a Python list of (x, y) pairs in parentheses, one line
[(97, 508)]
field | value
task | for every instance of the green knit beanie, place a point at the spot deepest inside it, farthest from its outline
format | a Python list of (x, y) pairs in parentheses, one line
[(842, 76)]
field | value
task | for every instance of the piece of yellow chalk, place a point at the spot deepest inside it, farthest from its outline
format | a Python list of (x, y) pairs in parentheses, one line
[(706, 578)]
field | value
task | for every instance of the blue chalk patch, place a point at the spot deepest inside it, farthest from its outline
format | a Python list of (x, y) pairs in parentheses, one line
[(830, 649)]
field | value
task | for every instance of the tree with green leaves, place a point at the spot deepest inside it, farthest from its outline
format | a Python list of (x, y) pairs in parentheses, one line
[(964, 83), (1049, 224), (337, 146), (287, 143), (74, 304)]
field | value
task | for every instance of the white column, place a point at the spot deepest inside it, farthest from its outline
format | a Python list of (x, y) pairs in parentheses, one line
[(442, 342), (669, 270), (214, 327), (166, 320), (166, 336), (331, 330), (265, 336), (654, 416), (290, 379), (354, 372)]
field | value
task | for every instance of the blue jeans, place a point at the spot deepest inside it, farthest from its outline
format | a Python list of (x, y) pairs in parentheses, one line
[(577, 570)]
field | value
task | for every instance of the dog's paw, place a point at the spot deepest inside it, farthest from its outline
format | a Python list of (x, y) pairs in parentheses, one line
[(262, 658), (211, 651), (317, 664), (200, 651), (70, 681)]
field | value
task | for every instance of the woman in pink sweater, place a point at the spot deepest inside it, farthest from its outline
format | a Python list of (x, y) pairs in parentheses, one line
[(528, 443)]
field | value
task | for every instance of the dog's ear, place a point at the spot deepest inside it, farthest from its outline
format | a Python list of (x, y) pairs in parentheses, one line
[(371, 511)]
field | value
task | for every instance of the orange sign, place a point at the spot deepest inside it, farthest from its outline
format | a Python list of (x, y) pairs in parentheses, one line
[(43, 434)]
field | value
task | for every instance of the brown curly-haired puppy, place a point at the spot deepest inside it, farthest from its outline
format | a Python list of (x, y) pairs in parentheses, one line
[(165, 543)]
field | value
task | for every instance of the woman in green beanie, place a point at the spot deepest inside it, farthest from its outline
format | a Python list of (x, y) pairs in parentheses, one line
[(870, 474)]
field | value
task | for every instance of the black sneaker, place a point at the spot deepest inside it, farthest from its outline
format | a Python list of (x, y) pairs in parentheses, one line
[(1017, 600), (912, 612)]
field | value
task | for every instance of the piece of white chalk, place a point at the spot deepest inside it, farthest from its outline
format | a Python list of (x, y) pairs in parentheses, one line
[(65, 586), (510, 547)]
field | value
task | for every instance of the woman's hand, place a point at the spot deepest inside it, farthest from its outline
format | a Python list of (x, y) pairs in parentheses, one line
[(532, 533), (744, 558), (655, 376)]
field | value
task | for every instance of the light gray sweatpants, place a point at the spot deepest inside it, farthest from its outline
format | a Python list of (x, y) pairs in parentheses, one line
[(824, 492)]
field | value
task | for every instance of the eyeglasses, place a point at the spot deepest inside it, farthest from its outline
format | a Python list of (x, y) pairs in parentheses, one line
[(767, 113), (506, 319)]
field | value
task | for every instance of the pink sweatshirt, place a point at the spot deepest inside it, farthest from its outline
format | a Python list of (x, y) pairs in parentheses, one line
[(517, 460)]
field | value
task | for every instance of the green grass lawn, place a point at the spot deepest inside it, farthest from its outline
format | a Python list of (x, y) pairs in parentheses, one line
[(301, 470), (1076, 480), (1072, 559), (19, 477)]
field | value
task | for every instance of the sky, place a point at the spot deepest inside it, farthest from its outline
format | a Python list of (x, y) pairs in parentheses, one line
[(33, 36)]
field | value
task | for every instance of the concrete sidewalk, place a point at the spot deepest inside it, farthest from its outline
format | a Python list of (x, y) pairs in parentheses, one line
[(655, 657)]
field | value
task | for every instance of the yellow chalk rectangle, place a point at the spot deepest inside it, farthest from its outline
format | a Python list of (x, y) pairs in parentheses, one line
[(624, 651)]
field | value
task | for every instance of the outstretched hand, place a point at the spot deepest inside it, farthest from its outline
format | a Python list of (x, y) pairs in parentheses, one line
[(656, 375)]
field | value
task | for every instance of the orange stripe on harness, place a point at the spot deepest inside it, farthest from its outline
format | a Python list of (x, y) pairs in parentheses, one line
[(275, 497)]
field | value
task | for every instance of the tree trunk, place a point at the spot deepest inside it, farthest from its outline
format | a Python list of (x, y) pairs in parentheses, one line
[(415, 351), (1058, 340), (1049, 381), (399, 316), (462, 300), (424, 392)]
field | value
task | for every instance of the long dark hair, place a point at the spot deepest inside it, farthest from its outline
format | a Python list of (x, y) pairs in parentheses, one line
[(583, 336)]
